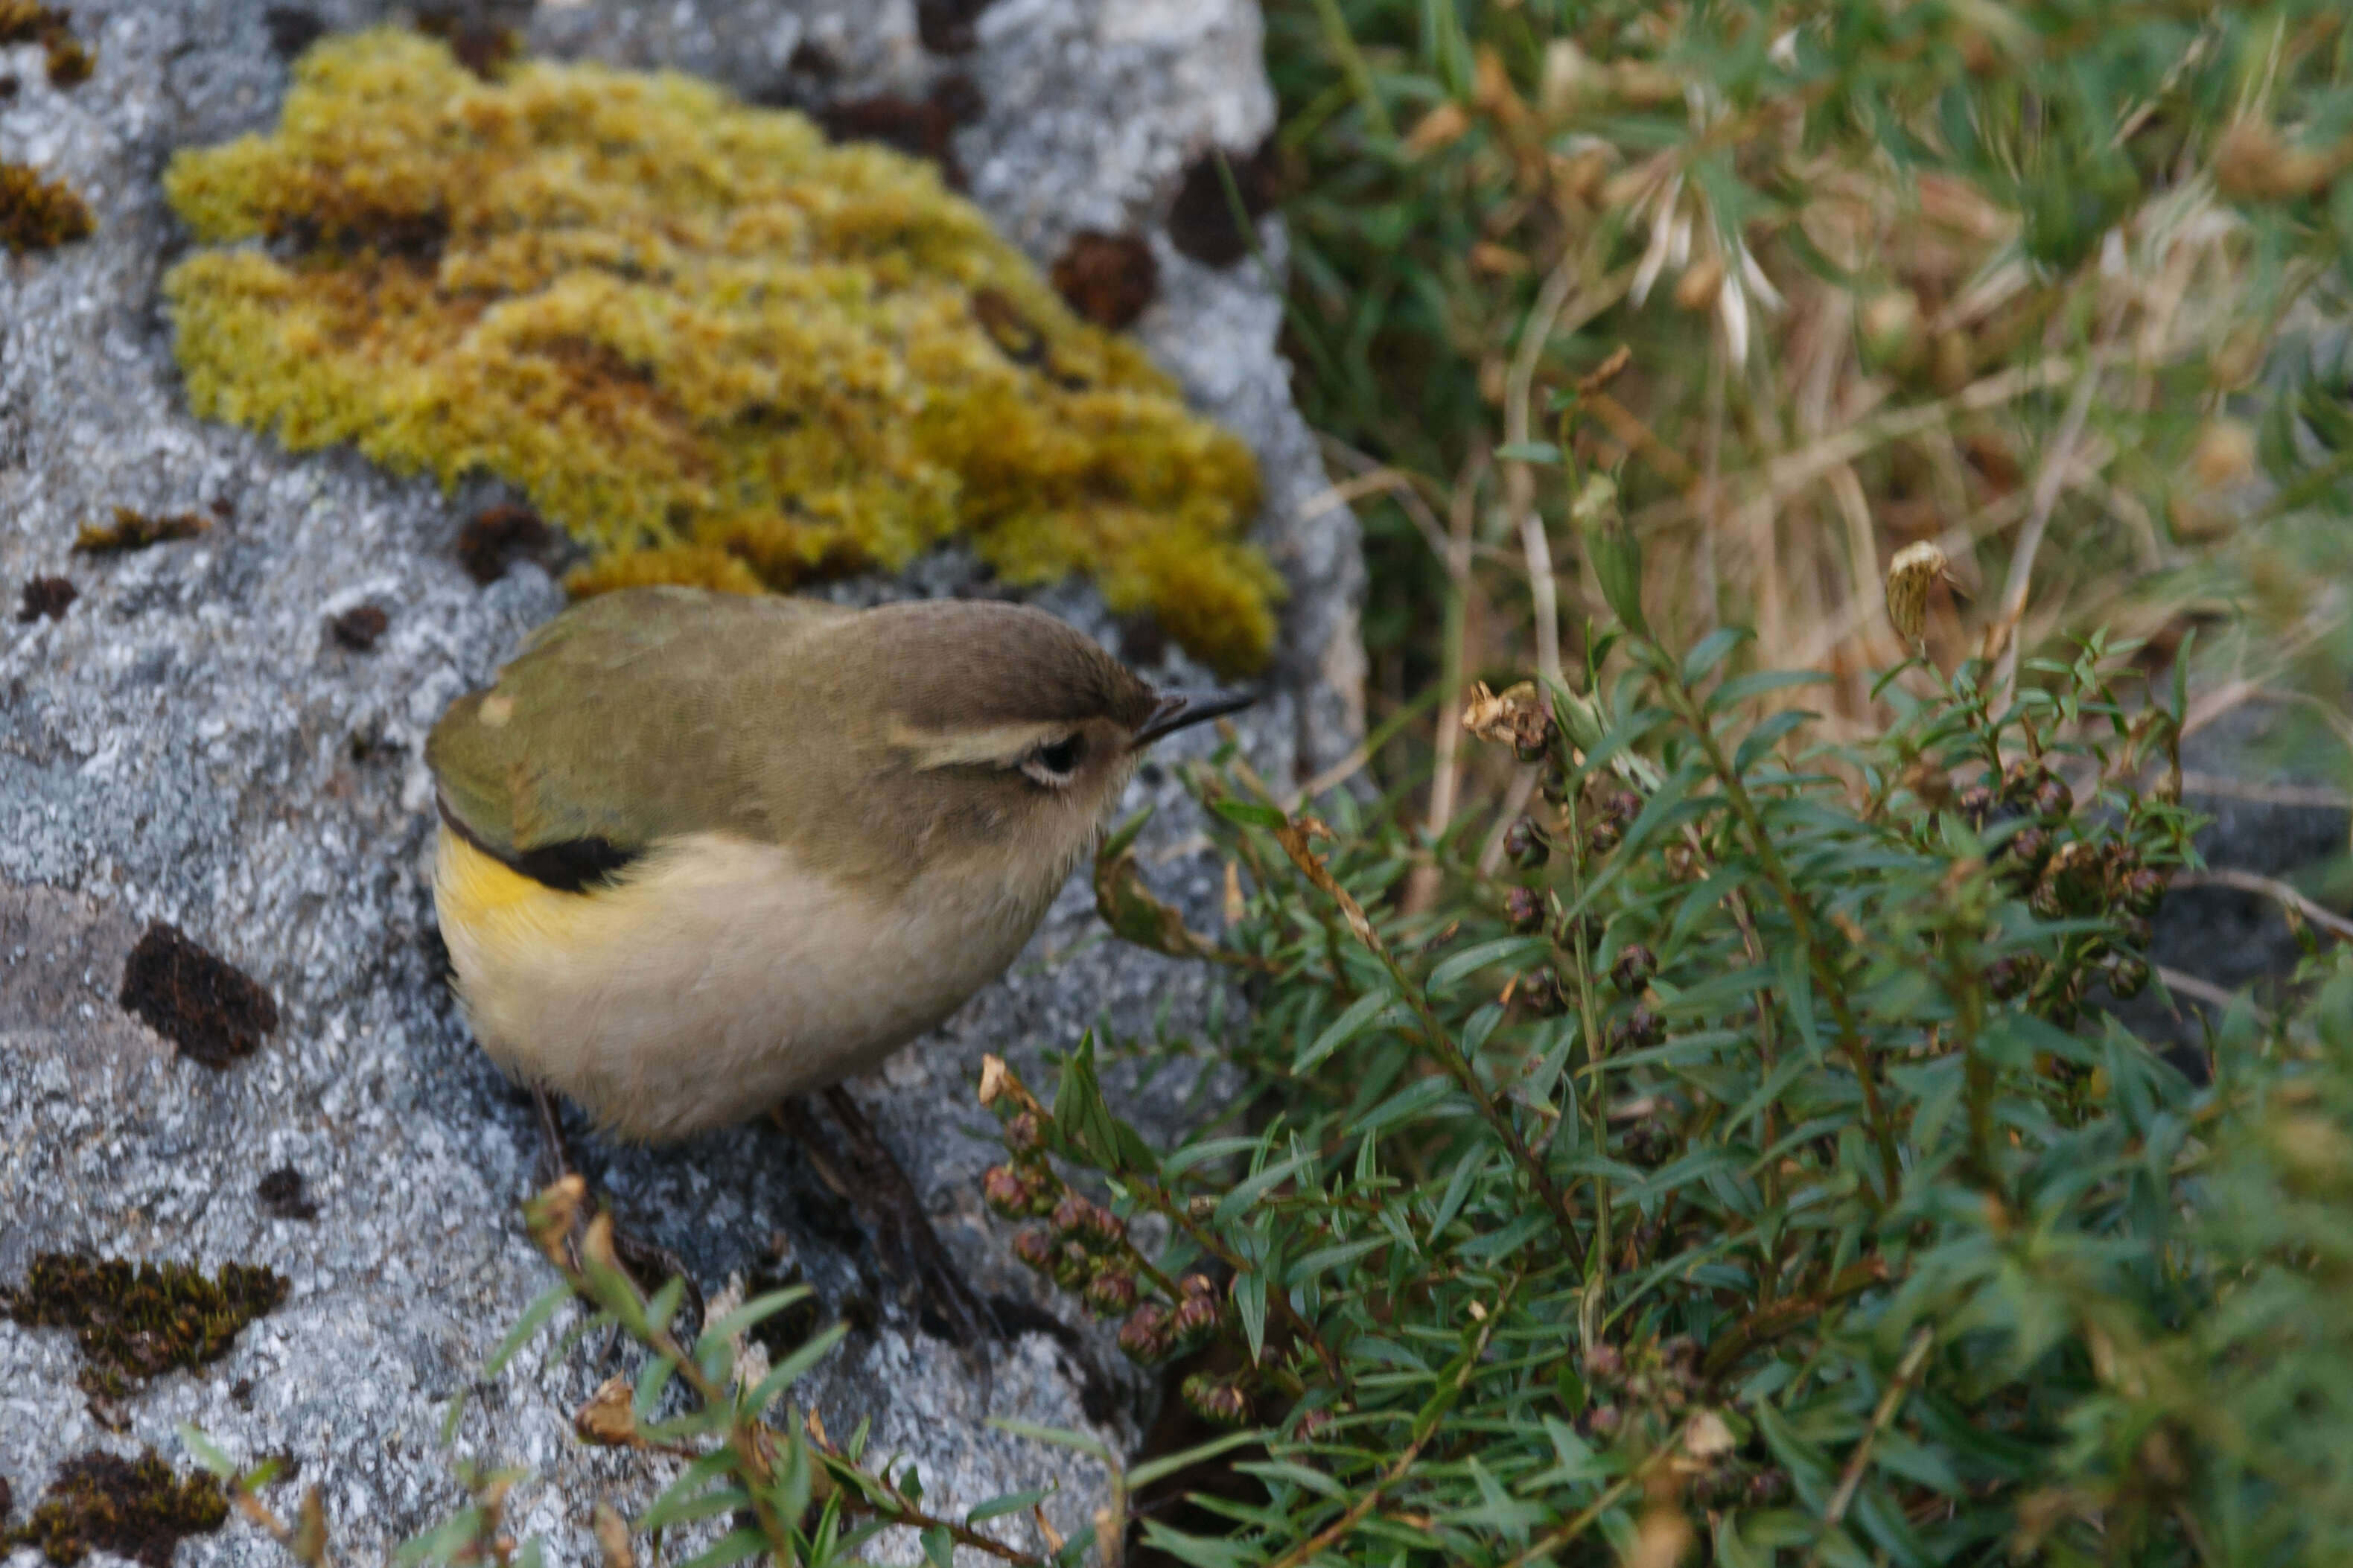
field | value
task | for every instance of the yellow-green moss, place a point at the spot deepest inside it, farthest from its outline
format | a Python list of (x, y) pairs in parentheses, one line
[(702, 339)]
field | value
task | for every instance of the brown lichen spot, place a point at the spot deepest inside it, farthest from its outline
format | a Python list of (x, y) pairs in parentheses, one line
[(1109, 279), (47, 596), (284, 1197), (497, 535), (37, 214), (947, 26), (30, 22), (132, 1508), (8, 86), (1201, 220), (213, 1011), (134, 529), (482, 46), (358, 627), (131, 1321), (291, 30)]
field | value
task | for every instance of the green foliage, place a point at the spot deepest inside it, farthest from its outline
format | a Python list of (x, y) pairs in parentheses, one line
[(1752, 1166)]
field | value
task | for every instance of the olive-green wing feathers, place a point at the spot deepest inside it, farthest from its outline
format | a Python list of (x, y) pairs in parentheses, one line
[(621, 723)]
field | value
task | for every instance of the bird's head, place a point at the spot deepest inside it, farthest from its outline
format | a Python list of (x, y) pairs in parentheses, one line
[(997, 737)]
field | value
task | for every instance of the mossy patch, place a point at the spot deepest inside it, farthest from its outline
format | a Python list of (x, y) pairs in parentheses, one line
[(132, 1508), (211, 1009), (49, 596), (37, 214), (134, 1321), (700, 338), (132, 530)]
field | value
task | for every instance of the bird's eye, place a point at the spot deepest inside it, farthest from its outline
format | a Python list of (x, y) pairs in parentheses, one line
[(1056, 761)]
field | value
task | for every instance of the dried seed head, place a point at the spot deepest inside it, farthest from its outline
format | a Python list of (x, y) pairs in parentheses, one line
[(1110, 1293), (1523, 841), (1074, 1265), (1540, 989), (2144, 892), (1035, 1246), (1024, 1134), (1519, 719), (1145, 1337), (2009, 977), (552, 1215), (1635, 965), (1916, 569), (1976, 805), (1216, 1399), (2224, 454), (1523, 908), (1006, 1191), (2053, 801), (2027, 849), (2074, 875), (992, 1079), (1194, 1285), (2127, 978), (1604, 1362), (1696, 289), (1604, 1420), (1194, 1319)]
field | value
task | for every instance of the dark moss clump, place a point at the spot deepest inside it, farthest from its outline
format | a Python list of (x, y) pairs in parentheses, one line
[(1201, 221), (496, 536), (284, 1195), (47, 596), (37, 214), (30, 22), (1109, 279), (132, 1508), (920, 127), (946, 26), (134, 1321), (212, 1010), (291, 30), (132, 530), (483, 47), (358, 627)]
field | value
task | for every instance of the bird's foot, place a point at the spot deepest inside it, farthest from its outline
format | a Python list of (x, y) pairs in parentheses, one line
[(649, 1265), (865, 1173)]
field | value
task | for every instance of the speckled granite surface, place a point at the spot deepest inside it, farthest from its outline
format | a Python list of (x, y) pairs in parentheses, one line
[(188, 743)]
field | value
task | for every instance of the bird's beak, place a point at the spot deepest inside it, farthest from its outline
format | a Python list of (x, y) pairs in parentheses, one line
[(1178, 709)]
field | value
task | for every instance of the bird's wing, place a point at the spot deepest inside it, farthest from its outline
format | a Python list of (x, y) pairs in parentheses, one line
[(614, 730)]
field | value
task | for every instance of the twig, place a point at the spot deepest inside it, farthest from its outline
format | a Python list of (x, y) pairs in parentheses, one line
[(2270, 887), (1892, 1400), (2049, 480), (1519, 479), (2199, 990), (1421, 885)]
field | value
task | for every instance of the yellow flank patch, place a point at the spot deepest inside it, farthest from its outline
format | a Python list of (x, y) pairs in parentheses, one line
[(486, 901), (706, 341)]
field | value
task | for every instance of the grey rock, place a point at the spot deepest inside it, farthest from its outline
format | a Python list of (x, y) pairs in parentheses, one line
[(189, 743)]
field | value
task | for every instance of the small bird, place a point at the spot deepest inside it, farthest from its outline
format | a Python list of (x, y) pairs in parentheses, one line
[(700, 853)]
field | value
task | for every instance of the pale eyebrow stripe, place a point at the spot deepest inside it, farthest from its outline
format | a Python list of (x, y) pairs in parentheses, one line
[(999, 744)]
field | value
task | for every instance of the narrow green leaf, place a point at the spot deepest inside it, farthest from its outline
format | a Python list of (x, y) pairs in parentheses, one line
[(1010, 1502), (535, 1317), (785, 1372)]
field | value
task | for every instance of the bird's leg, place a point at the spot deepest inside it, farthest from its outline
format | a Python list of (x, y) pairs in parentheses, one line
[(871, 1179), (649, 1264)]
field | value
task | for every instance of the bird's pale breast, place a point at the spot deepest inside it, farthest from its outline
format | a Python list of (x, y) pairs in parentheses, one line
[(717, 977)]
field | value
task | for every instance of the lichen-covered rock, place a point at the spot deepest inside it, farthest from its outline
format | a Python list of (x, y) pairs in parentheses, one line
[(187, 737)]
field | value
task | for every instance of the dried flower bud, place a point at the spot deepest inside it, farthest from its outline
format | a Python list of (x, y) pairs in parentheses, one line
[(1145, 1337), (1637, 1031), (1024, 1134), (551, 1215), (1215, 1399), (1517, 719), (1916, 569), (1073, 1264), (2009, 977), (1071, 1215), (1035, 1246), (1110, 1293), (1601, 839), (2053, 801), (1314, 1424), (1635, 965), (1006, 1191), (1194, 1319), (1604, 1362), (2137, 930), (608, 1420), (2026, 850), (993, 1078), (2073, 876), (1523, 908), (1523, 841), (2144, 892), (1604, 1420), (1575, 932), (1541, 990), (1194, 1285), (2127, 978), (1976, 805), (1768, 1486)]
